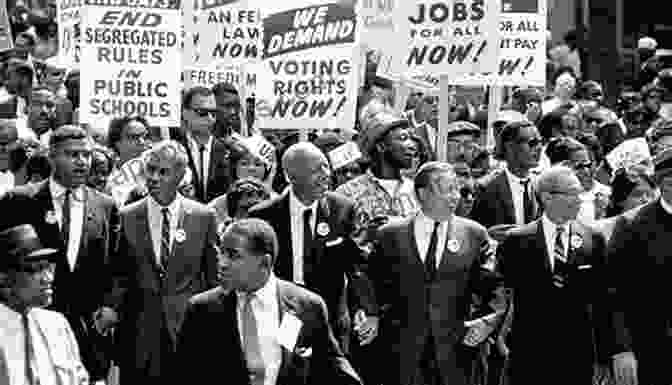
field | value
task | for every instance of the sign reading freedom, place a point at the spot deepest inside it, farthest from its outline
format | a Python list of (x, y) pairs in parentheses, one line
[(306, 28)]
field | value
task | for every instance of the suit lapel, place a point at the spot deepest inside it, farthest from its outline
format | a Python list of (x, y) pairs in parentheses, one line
[(316, 246), (506, 198), (284, 232), (142, 227), (413, 243), (179, 248), (541, 242), (229, 303), (286, 304)]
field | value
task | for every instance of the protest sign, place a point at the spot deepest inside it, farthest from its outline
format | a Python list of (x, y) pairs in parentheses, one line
[(629, 153), (215, 73), (6, 41), (344, 154), (221, 31), (308, 78), (375, 20), (68, 14), (452, 37), (522, 47), (131, 63)]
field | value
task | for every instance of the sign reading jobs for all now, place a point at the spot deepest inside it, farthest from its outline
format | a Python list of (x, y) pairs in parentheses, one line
[(131, 63), (473, 42), (299, 58)]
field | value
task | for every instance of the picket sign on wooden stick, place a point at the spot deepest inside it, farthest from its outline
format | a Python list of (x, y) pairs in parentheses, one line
[(494, 105), (401, 93)]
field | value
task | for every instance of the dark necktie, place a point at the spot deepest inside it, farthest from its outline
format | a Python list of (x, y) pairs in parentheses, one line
[(252, 347), (430, 259), (559, 259), (29, 353), (65, 225), (528, 204), (201, 165), (165, 237), (307, 244)]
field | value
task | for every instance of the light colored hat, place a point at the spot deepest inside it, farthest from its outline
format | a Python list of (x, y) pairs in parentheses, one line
[(377, 126), (647, 43)]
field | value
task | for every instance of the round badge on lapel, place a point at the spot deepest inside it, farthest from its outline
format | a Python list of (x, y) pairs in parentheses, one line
[(322, 229), (180, 235), (453, 245), (50, 217), (576, 241)]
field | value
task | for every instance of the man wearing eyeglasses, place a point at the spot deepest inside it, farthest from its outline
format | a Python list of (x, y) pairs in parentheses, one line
[(458, 142), (37, 346), (208, 156), (555, 269), (507, 196)]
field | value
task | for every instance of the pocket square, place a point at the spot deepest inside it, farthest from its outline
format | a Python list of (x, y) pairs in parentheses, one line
[(584, 267), (304, 352), (334, 242)]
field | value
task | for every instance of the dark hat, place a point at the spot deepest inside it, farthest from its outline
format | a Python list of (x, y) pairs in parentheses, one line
[(377, 126), (21, 245), (662, 162), (328, 141)]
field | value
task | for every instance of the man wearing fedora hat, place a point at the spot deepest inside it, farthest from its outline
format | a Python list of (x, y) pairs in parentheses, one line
[(639, 259), (26, 277)]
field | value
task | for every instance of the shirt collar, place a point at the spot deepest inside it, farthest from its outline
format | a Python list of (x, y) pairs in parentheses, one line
[(173, 207), (266, 294), (548, 224), (297, 206), (426, 221), (196, 145), (514, 178), (666, 206), (58, 190)]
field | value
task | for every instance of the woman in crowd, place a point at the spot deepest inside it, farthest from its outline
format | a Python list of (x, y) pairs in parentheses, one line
[(101, 168), (630, 189), (128, 137)]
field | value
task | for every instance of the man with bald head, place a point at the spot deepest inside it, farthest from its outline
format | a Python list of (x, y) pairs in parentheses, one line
[(316, 250), (555, 266)]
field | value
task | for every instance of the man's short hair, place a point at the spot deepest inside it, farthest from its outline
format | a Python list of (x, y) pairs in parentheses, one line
[(168, 148), (510, 132), (427, 173), (260, 236), (561, 149), (65, 133), (193, 92), (550, 179)]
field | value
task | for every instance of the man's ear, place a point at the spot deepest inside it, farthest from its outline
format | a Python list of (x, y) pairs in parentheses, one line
[(380, 146)]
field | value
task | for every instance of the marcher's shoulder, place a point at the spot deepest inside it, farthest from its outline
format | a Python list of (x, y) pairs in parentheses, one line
[(52, 317), (470, 225), (489, 180), (196, 207), (301, 295), (353, 187), (104, 200), (395, 225), (523, 230), (339, 199), (133, 207), (207, 297), (26, 191)]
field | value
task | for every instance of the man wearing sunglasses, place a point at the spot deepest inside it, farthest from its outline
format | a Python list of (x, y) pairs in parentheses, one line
[(36, 345), (208, 156), (507, 196)]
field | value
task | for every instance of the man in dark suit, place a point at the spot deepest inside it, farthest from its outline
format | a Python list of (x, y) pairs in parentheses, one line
[(272, 331), (427, 270), (639, 264), (316, 250), (507, 196), (82, 224), (208, 155), (555, 267), (166, 254)]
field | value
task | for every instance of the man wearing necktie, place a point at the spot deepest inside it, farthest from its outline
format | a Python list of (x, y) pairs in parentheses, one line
[(208, 155), (37, 346), (314, 228), (555, 267), (82, 224), (166, 254), (427, 269), (271, 331)]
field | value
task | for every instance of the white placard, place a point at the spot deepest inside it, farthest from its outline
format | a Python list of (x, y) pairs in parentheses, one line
[(629, 153), (344, 154), (68, 16), (131, 63)]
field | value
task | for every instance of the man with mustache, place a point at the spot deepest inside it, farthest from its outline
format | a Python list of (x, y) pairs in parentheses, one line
[(316, 250), (80, 223), (33, 340)]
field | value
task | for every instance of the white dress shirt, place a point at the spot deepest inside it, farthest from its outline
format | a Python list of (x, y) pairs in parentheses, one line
[(666, 206), (13, 345), (267, 314), (550, 230), (77, 197), (196, 155), (423, 228), (155, 219), (7, 181), (517, 194), (296, 210)]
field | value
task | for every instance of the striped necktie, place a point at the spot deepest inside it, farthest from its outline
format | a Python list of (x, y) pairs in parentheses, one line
[(559, 259), (165, 237), (251, 345)]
